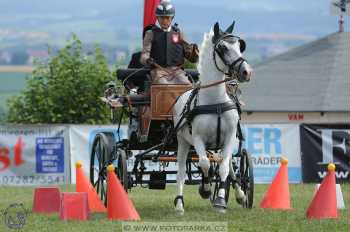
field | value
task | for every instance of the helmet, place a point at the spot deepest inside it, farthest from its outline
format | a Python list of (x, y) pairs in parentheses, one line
[(165, 8)]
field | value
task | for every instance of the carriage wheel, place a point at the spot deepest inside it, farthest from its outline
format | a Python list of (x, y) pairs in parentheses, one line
[(246, 178), (122, 168), (101, 153), (216, 183)]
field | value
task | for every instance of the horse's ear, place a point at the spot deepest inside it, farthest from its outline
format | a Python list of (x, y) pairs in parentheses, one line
[(231, 27), (216, 30)]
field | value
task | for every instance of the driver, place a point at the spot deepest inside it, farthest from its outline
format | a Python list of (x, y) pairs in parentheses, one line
[(164, 49)]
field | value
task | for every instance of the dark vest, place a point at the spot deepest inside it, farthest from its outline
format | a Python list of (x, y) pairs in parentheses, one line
[(167, 49)]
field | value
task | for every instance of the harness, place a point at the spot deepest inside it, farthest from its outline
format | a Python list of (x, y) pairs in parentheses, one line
[(211, 109), (189, 114), (238, 61)]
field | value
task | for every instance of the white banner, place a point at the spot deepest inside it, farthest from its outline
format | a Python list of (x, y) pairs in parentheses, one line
[(34, 155), (267, 144), (40, 155), (81, 139)]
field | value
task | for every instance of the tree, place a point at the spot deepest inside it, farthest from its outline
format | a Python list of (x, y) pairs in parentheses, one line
[(65, 89)]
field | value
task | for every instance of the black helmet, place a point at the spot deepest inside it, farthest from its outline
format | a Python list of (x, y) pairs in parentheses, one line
[(165, 8)]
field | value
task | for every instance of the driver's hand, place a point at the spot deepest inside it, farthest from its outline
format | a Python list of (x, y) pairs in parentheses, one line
[(150, 62)]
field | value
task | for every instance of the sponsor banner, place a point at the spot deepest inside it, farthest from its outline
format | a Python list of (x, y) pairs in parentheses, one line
[(267, 144), (34, 155), (81, 139), (324, 144)]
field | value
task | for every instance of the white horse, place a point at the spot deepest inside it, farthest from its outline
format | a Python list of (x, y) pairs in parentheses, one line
[(220, 56)]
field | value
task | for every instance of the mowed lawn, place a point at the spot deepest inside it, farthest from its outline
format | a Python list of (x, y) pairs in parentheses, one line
[(157, 206)]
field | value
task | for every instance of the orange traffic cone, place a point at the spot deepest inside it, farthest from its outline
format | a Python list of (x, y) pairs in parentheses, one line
[(84, 185), (324, 204), (277, 196), (119, 206)]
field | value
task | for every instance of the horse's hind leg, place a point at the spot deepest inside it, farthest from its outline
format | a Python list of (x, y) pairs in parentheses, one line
[(204, 164), (182, 152)]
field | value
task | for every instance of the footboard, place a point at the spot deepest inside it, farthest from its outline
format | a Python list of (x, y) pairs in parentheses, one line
[(163, 98)]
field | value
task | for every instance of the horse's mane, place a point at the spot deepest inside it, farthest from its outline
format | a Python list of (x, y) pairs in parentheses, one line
[(206, 50), (206, 67)]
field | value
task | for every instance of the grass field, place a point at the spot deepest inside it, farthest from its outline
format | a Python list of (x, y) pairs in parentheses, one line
[(157, 206), (12, 81)]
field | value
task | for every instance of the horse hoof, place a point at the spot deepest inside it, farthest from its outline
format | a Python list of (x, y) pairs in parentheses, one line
[(179, 205), (204, 194), (220, 203), (179, 211), (220, 210)]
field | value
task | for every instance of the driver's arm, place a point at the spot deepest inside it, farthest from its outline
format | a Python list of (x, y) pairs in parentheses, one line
[(147, 46), (191, 50)]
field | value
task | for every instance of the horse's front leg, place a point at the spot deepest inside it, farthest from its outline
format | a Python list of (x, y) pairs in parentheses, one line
[(204, 164), (224, 170), (182, 152), (220, 202)]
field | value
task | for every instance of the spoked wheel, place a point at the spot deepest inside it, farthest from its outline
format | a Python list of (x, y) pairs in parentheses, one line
[(121, 168), (216, 184), (246, 178), (101, 154)]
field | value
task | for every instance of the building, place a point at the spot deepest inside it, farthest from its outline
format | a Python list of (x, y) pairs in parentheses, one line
[(308, 84)]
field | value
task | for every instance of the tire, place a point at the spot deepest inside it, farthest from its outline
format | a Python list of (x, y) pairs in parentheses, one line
[(101, 155), (246, 177)]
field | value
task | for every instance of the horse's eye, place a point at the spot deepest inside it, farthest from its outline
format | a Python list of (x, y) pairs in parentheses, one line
[(222, 47)]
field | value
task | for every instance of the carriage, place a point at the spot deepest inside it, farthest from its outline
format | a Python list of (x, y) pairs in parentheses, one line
[(154, 140)]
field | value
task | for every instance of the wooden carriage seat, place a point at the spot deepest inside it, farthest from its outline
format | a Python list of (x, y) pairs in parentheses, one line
[(163, 98)]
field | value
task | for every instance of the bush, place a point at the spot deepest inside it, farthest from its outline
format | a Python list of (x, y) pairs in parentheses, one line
[(64, 89)]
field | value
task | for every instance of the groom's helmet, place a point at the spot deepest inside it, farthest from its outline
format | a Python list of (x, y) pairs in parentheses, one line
[(165, 8)]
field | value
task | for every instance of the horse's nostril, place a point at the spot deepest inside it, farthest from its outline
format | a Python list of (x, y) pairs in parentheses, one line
[(245, 73)]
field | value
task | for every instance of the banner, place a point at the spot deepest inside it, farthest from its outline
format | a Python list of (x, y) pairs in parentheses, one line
[(324, 144), (34, 155), (267, 144), (81, 139), (149, 16)]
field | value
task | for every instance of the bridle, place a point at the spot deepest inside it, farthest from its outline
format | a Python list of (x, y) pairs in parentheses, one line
[(239, 60)]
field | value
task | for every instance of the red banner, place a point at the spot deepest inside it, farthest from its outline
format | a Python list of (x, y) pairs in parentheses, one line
[(149, 16)]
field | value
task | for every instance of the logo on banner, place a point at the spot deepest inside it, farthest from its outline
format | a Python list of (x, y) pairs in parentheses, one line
[(264, 144), (50, 155), (335, 143), (5, 160)]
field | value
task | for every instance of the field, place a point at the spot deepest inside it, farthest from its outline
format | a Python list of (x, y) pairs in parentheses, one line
[(12, 81), (157, 206)]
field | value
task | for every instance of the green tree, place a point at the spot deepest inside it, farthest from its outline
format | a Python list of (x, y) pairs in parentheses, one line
[(64, 89)]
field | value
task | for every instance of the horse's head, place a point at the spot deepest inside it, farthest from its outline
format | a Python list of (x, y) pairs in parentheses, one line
[(229, 49)]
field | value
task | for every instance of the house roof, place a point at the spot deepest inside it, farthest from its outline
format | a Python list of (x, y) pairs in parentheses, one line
[(312, 77)]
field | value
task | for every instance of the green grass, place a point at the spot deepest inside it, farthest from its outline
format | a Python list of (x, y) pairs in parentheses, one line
[(156, 206)]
